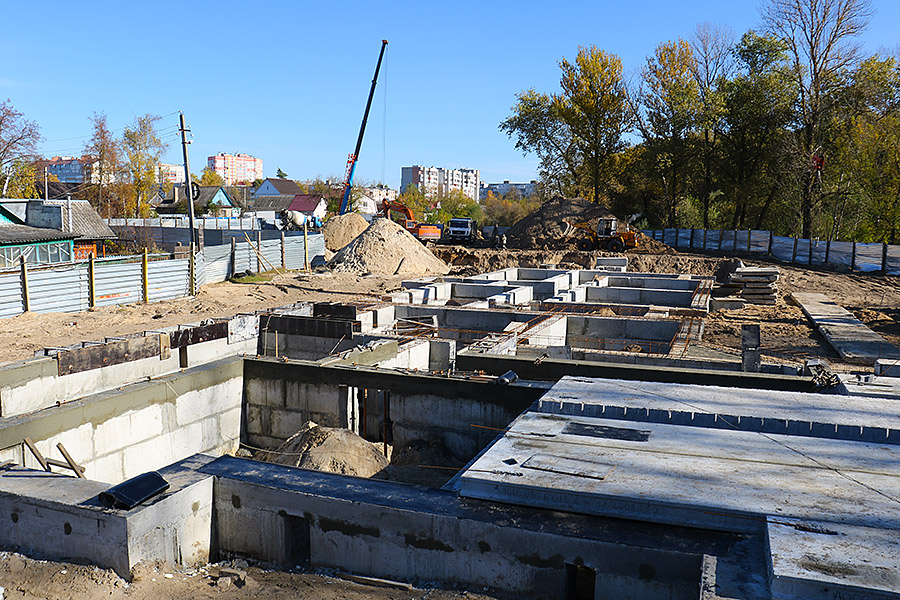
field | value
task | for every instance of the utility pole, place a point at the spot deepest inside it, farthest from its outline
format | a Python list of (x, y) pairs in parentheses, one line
[(188, 184), (46, 196)]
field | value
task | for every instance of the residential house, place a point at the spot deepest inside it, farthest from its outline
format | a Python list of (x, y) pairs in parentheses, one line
[(209, 196), (310, 205), (75, 217), (38, 245), (277, 187)]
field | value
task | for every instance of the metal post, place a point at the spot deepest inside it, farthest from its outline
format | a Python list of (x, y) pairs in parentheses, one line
[(145, 279), (827, 250), (188, 184), (676, 237), (721, 235), (771, 242), (749, 238), (283, 257), (853, 257), (26, 300), (705, 231), (192, 275), (92, 290), (809, 253), (305, 248), (46, 188), (233, 258), (884, 258), (734, 240), (259, 264), (794, 252)]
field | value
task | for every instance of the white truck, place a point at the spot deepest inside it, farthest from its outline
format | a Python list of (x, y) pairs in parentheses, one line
[(460, 231)]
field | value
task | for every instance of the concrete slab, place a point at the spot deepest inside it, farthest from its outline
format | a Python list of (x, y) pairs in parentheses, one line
[(708, 478), (855, 342), (813, 559), (862, 418)]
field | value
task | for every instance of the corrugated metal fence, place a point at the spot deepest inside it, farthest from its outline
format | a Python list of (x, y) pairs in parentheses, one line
[(857, 256), (120, 280)]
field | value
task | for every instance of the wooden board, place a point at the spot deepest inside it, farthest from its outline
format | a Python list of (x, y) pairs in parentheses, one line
[(77, 360)]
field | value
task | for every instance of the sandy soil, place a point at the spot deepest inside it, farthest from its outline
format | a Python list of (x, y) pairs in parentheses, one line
[(874, 299), (25, 578), (20, 336)]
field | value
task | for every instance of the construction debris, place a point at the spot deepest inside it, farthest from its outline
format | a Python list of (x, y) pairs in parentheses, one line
[(758, 284), (386, 248), (343, 229)]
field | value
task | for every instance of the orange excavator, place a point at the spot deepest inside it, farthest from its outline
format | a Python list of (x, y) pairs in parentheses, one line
[(422, 231)]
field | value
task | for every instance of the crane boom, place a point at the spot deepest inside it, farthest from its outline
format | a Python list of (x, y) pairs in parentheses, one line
[(351, 161)]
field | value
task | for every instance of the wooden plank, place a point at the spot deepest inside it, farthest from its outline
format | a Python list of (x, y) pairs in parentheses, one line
[(79, 470), (77, 360), (37, 454)]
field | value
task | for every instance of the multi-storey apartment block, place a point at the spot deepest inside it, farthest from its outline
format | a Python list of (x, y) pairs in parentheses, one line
[(236, 168), (437, 180)]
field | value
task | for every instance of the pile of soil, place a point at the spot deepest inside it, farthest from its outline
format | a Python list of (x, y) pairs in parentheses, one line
[(386, 248), (329, 450), (544, 228), (647, 245), (340, 230)]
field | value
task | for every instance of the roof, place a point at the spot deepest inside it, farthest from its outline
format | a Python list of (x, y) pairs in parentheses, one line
[(86, 223), (206, 195), (285, 186), (277, 203), (11, 233), (305, 203)]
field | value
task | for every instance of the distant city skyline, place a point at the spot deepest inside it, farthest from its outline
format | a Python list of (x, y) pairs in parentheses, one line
[(294, 97)]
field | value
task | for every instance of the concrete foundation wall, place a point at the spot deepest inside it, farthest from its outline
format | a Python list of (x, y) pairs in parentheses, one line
[(121, 433), (36, 384), (285, 516), (656, 330), (636, 295)]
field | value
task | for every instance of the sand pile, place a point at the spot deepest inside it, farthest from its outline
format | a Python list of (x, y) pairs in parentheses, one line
[(340, 230), (329, 450), (386, 248), (647, 245), (544, 227)]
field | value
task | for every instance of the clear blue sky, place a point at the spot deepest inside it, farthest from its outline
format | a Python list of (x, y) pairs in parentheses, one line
[(287, 81)]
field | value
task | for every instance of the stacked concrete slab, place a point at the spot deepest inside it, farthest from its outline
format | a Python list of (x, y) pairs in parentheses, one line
[(759, 285)]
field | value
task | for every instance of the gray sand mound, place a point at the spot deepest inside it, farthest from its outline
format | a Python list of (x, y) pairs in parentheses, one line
[(340, 230), (386, 248)]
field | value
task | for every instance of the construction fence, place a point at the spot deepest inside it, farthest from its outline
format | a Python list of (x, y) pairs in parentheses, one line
[(78, 286), (857, 256)]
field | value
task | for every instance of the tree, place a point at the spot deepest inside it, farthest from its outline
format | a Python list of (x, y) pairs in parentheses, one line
[(19, 138), (540, 129), (820, 38), (756, 113), (106, 149), (671, 99), (209, 177), (20, 180), (143, 149), (280, 174), (712, 49), (593, 105)]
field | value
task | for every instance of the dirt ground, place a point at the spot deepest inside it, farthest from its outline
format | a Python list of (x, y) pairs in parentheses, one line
[(29, 579), (786, 333)]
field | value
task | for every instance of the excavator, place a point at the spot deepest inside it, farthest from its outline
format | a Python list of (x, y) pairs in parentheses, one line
[(607, 235), (422, 231)]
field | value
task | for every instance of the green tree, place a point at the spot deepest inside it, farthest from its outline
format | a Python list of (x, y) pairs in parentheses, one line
[(757, 110), (539, 128), (593, 105), (820, 39), (143, 149), (106, 150), (712, 49), (670, 98), (209, 177), (19, 138), (20, 180), (456, 204)]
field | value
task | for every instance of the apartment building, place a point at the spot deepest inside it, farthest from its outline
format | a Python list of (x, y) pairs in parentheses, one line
[(236, 168), (501, 189), (438, 180), (171, 173)]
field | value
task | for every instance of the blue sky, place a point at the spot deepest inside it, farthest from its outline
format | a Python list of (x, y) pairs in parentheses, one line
[(287, 81)]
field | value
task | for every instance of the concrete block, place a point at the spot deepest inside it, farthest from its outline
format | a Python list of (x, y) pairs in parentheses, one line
[(848, 432), (108, 469), (254, 419), (825, 430), (878, 435), (285, 423), (149, 455), (749, 423), (384, 316), (774, 426)]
